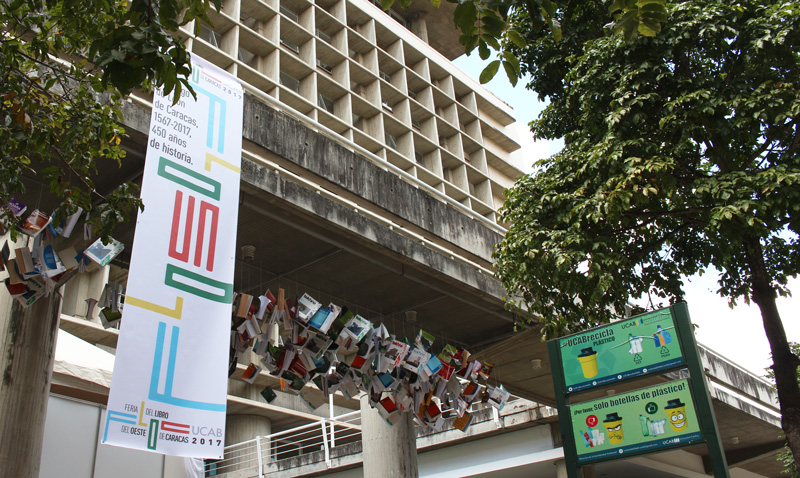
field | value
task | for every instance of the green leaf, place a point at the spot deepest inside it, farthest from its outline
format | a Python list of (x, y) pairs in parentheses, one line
[(465, 16), (488, 73), (555, 29), (548, 7), (511, 73), (512, 60), (516, 38), (483, 50)]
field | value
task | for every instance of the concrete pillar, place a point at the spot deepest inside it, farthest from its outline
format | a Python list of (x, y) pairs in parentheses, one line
[(561, 469), (419, 26), (389, 451), (28, 344), (241, 428), (584, 471), (89, 284)]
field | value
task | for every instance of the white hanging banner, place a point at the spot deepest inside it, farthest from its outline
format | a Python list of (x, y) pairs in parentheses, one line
[(169, 389)]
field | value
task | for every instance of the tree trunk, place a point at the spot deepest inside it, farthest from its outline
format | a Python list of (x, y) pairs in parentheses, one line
[(784, 362), (28, 339)]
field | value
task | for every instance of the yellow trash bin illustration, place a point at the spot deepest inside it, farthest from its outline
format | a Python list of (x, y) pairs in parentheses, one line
[(676, 413), (613, 424), (588, 360)]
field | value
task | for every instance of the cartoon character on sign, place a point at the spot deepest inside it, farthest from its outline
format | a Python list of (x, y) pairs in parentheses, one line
[(613, 424), (588, 360), (676, 413)]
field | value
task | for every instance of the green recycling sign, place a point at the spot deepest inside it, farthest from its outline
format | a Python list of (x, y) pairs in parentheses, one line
[(625, 349), (643, 420)]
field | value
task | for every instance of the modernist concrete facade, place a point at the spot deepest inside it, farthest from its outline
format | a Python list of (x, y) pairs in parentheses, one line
[(372, 175)]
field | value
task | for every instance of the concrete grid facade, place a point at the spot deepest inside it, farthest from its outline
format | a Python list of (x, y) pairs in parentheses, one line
[(362, 74)]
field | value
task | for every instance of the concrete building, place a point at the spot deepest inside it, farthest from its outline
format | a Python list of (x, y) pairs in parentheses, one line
[(372, 175)]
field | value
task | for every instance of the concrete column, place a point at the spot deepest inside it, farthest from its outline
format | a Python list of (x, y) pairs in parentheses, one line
[(584, 471), (28, 344), (389, 451), (561, 469), (419, 26), (240, 428)]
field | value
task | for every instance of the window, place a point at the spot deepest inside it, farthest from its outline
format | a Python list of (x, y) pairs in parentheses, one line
[(325, 103), (246, 56), (358, 122), (412, 95), (210, 35), (290, 82), (386, 106), (324, 36), (247, 20), (419, 157), (384, 76), (390, 141), (324, 66), (288, 44), (415, 124), (289, 14)]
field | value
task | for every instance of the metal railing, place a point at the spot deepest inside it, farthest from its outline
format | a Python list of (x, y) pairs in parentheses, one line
[(321, 435), (254, 457)]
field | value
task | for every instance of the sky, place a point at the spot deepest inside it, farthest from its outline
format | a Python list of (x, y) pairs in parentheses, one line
[(738, 333)]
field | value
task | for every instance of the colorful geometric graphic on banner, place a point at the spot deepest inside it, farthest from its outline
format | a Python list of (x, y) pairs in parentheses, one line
[(640, 421), (169, 387), (622, 350)]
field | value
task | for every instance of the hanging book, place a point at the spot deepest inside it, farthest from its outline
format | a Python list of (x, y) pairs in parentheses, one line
[(424, 340), (463, 422), (49, 262), (322, 319), (35, 223), (250, 373), (415, 359), (103, 253), (16, 207), (69, 224), (358, 327), (269, 394), (307, 306)]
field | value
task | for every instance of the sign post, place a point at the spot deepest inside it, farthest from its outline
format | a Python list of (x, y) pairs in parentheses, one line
[(669, 415)]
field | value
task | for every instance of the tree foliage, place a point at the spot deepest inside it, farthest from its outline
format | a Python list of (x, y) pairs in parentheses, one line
[(681, 154), (64, 66)]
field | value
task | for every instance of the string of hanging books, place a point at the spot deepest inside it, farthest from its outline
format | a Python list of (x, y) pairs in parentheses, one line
[(299, 342), (337, 350), (35, 271)]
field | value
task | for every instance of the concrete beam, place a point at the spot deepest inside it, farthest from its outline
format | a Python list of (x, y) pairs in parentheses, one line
[(351, 223), (288, 138)]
